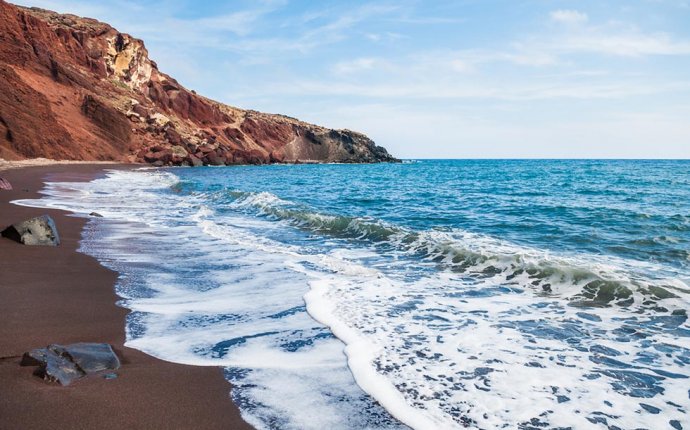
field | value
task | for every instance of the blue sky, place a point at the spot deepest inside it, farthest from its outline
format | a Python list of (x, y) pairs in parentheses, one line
[(437, 79)]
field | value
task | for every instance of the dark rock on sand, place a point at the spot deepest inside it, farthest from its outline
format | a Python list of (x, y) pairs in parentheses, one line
[(92, 357), (52, 367), (36, 231), (65, 364)]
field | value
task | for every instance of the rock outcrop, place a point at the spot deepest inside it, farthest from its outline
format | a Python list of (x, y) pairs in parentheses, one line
[(65, 364), (35, 231), (75, 88)]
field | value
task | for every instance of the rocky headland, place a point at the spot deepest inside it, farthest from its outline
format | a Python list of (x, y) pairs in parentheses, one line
[(74, 88)]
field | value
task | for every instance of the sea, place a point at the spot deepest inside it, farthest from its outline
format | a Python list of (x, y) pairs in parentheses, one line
[(429, 294)]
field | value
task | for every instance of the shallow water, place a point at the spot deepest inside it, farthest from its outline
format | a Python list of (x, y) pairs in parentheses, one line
[(440, 294)]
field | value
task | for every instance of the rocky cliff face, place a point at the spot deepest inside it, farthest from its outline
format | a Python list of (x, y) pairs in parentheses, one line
[(75, 88)]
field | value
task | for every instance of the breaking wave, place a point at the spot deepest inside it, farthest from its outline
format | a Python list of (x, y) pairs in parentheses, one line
[(586, 281), (442, 327)]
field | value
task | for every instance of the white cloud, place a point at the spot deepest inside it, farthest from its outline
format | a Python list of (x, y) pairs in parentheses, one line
[(356, 65), (568, 16), (527, 57), (612, 38), (439, 88), (387, 36), (240, 23), (430, 20), (631, 44), (462, 66)]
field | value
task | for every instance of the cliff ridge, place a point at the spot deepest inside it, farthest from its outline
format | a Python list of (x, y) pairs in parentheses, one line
[(76, 88)]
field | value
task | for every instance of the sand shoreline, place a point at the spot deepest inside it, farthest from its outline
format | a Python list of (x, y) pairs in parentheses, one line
[(58, 295)]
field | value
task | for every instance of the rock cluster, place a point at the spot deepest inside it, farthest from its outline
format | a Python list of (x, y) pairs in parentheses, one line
[(65, 364)]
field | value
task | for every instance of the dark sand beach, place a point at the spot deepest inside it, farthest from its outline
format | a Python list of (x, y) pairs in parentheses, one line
[(57, 295)]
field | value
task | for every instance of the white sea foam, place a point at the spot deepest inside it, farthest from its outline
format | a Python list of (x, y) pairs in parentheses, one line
[(443, 328), (467, 356), (213, 293)]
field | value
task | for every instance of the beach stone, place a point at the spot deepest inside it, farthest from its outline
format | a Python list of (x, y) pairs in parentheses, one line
[(92, 357), (96, 214), (60, 369), (35, 231), (52, 366), (65, 364)]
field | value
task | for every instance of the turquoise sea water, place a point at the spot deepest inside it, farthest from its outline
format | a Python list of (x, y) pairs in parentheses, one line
[(433, 294)]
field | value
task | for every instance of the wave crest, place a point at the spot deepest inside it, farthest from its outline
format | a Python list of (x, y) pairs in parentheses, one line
[(584, 280)]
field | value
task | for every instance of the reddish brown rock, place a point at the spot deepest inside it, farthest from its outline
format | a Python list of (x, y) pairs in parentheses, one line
[(215, 159), (111, 124), (172, 136), (164, 156), (75, 88), (277, 157), (194, 161)]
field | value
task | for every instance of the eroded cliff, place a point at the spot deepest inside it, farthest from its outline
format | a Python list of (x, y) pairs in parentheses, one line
[(76, 88)]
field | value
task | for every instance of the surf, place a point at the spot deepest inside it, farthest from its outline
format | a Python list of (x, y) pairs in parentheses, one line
[(369, 316)]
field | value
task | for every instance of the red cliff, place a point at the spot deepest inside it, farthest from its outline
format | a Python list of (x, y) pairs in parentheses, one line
[(75, 88)]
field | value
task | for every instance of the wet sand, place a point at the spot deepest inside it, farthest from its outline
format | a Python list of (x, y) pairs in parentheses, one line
[(57, 295)]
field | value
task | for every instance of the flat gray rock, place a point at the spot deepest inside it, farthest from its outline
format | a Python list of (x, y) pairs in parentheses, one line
[(65, 364), (92, 357), (35, 231)]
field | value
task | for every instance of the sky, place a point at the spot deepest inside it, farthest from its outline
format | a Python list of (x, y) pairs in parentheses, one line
[(437, 79)]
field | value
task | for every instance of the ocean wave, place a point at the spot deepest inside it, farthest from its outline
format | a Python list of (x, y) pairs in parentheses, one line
[(271, 206), (443, 327), (583, 280)]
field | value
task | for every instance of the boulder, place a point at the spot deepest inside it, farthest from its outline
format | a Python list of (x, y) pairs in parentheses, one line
[(52, 367), (158, 119), (91, 357), (133, 116), (215, 159), (172, 136), (194, 161), (276, 156), (140, 110), (206, 149), (164, 156), (65, 364), (36, 231), (178, 151)]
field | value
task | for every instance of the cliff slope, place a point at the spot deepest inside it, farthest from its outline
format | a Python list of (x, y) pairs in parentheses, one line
[(76, 88)]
